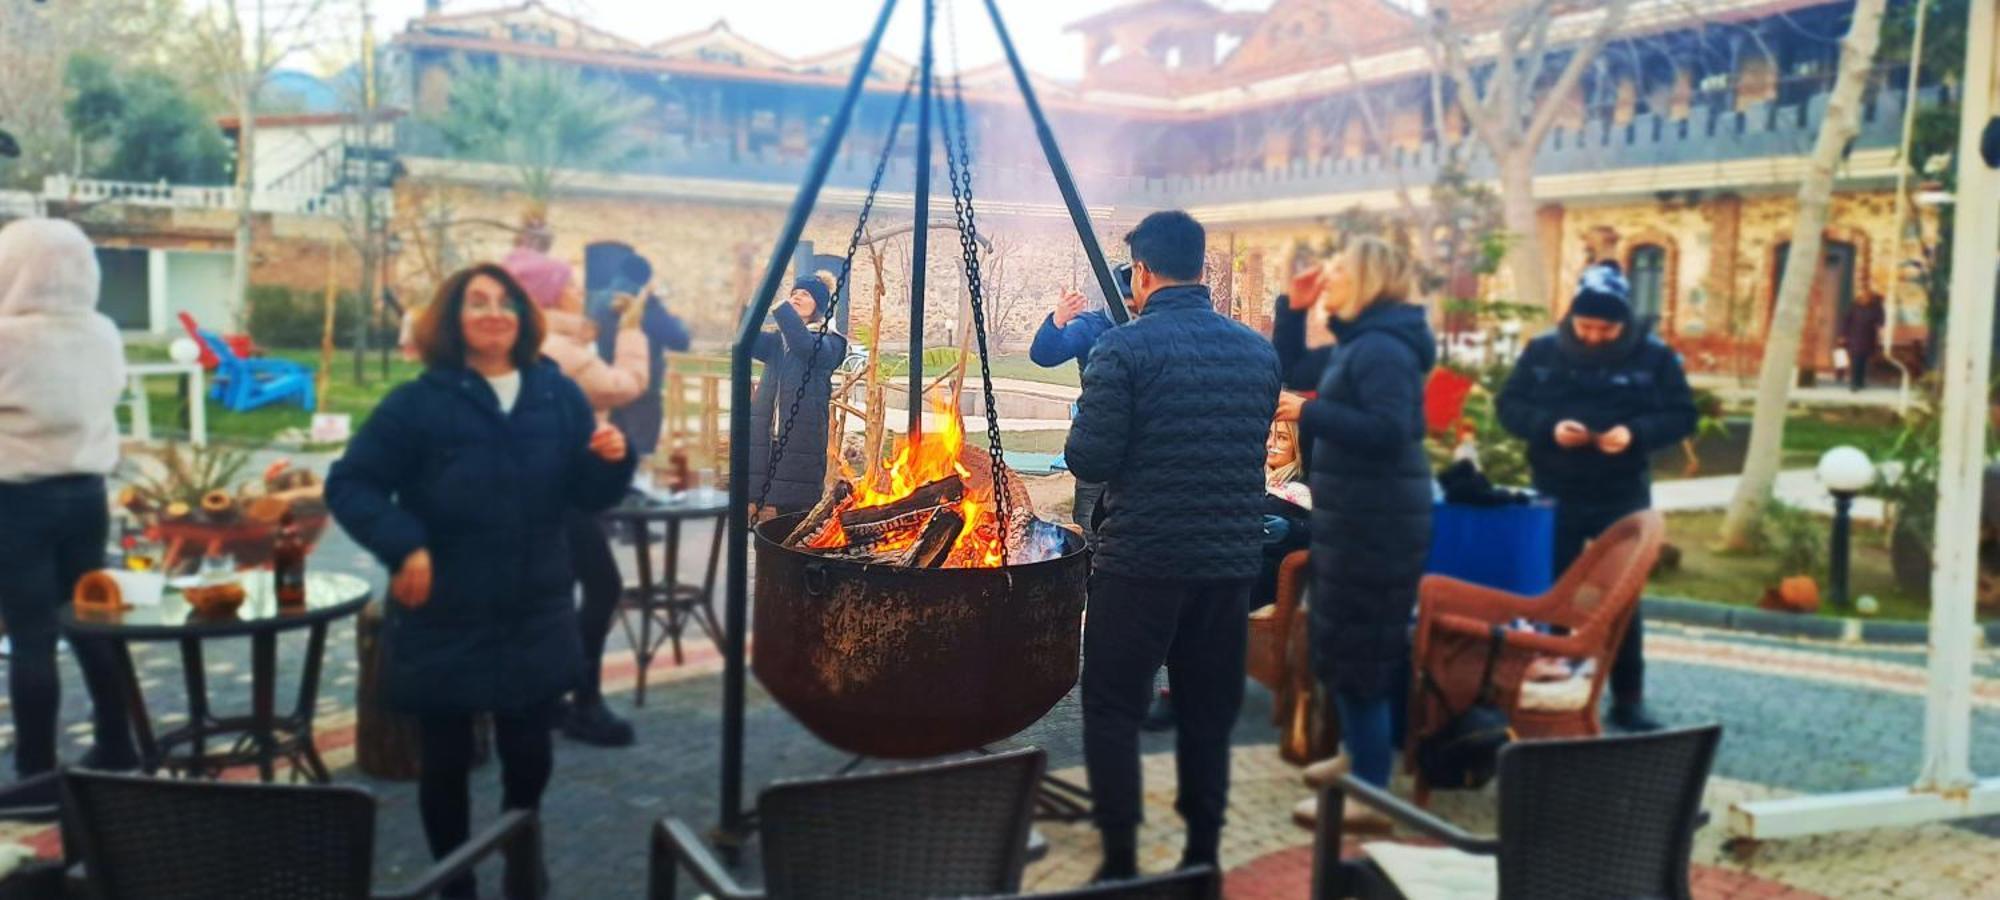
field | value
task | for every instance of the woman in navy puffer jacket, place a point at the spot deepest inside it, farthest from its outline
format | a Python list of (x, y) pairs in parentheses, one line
[(459, 483)]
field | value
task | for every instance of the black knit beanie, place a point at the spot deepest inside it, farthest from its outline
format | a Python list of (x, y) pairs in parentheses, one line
[(817, 289), (1595, 304)]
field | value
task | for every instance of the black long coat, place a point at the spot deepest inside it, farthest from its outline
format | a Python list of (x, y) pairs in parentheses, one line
[(1175, 408), (438, 466), (1371, 487), (788, 362)]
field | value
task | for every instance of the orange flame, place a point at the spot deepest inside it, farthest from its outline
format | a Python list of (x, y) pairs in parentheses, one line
[(933, 457)]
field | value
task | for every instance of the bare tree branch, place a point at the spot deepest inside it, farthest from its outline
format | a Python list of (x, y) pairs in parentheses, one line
[(1476, 111), (1551, 104)]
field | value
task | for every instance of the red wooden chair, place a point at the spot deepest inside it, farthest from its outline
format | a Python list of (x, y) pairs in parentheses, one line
[(1280, 659), (1593, 602), (243, 346)]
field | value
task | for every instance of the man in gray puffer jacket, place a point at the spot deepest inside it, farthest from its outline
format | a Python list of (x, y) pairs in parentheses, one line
[(1175, 409)]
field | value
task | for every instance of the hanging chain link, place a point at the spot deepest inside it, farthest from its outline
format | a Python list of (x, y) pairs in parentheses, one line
[(839, 288), (959, 168)]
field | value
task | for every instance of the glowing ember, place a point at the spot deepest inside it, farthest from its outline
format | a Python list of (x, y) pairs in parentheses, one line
[(933, 458)]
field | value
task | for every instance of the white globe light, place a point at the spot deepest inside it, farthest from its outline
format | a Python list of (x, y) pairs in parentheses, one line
[(183, 351), (1846, 469)]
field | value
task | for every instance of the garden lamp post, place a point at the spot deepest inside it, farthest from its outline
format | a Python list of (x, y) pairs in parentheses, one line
[(1844, 471)]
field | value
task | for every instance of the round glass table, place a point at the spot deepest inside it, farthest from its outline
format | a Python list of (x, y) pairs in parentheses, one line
[(262, 737), (665, 601)]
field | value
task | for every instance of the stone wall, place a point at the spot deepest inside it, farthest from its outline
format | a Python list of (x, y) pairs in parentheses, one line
[(1722, 264), (707, 257), (1718, 285)]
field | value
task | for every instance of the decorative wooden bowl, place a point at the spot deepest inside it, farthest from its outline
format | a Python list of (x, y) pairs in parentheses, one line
[(215, 601), (249, 542)]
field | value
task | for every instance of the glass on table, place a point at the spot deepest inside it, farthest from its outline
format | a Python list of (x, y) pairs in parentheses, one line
[(142, 553), (217, 567)]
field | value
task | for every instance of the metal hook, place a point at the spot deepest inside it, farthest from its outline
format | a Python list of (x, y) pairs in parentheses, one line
[(816, 579)]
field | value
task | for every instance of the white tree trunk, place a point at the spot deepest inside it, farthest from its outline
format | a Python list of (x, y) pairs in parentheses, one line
[(246, 184), (1524, 249), (1781, 342)]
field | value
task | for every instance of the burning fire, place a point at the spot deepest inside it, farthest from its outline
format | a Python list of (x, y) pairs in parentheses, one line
[(933, 457)]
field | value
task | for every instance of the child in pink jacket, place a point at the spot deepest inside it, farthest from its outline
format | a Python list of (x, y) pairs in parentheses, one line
[(572, 345)]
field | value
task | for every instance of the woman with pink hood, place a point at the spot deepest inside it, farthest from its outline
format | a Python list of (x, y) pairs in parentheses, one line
[(62, 369), (572, 345)]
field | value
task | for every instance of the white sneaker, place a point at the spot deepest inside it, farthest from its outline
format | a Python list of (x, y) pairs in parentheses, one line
[(1323, 774), (1355, 818)]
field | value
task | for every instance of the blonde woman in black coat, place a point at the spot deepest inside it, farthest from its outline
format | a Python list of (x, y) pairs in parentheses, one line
[(1371, 491)]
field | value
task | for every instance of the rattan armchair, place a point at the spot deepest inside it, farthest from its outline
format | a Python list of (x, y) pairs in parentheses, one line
[(154, 839), (1580, 819), (954, 829), (1198, 883), (1589, 609), (35, 799)]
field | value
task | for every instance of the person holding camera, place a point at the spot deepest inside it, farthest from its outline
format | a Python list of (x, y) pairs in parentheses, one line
[(1593, 400)]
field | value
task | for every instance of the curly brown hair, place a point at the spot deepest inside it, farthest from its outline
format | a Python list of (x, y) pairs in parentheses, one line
[(440, 338)]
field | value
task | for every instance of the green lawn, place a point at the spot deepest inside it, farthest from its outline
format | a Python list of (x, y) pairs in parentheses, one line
[(1811, 433), (1808, 433), (257, 427), (1740, 579), (1018, 367)]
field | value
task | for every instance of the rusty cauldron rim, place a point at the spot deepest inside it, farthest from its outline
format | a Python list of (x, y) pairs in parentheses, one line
[(1000, 647), (1073, 546)]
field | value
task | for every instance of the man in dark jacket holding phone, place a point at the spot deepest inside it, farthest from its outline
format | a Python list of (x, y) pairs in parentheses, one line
[(1175, 409), (1594, 399)]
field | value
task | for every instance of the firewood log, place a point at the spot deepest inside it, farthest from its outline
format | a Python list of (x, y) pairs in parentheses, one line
[(810, 529), (934, 543), (868, 524)]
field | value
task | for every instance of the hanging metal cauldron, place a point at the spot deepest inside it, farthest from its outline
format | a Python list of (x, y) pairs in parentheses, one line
[(903, 663)]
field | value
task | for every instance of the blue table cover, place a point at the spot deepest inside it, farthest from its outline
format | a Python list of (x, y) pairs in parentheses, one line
[(1511, 548)]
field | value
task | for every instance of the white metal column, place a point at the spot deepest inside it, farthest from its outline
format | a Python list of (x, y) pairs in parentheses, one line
[(1945, 788), (158, 312)]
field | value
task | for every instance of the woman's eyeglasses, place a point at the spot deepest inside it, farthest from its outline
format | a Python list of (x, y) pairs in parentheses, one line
[(496, 308)]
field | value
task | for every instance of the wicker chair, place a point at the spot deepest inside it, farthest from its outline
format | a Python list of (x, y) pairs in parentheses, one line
[(1198, 883), (948, 830), (1593, 602), (34, 800), (1280, 659), (156, 839), (1582, 818)]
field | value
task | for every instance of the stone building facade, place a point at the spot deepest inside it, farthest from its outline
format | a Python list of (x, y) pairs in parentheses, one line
[(1688, 141), (1689, 147)]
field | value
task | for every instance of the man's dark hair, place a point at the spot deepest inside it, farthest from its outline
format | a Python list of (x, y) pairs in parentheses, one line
[(1171, 243)]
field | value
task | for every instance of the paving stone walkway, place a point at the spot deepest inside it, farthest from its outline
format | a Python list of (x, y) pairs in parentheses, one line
[(1799, 717)]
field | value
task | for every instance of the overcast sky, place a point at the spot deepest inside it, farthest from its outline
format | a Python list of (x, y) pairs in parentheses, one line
[(804, 27)]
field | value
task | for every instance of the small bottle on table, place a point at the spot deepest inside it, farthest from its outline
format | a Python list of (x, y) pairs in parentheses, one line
[(288, 564)]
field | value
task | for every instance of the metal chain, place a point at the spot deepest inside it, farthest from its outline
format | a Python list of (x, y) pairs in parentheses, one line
[(839, 288), (959, 168)]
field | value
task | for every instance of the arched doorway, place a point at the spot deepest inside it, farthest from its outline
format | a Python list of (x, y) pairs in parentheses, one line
[(1832, 294), (1648, 273)]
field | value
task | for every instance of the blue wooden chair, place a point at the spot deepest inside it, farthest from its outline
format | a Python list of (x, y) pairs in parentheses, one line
[(242, 385)]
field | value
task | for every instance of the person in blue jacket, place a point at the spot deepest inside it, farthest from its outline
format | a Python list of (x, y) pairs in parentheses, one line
[(458, 483), (1066, 336)]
